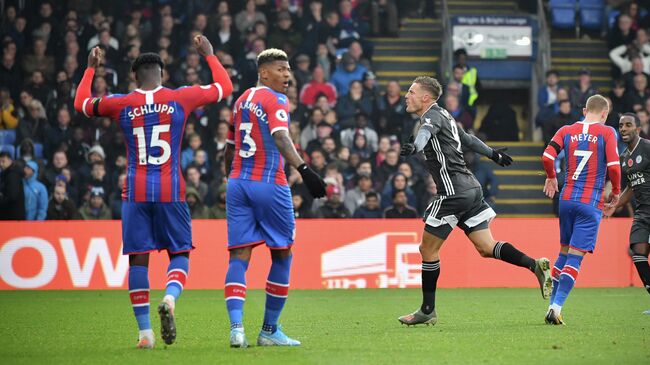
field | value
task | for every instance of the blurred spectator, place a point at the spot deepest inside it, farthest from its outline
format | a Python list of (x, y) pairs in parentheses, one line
[(617, 98), (33, 125), (347, 71), (400, 208), (309, 131), (284, 36), (470, 79), (398, 182), (187, 155), (115, 199), (99, 177), (323, 131), (8, 113), (60, 135), (635, 98), (622, 33), (11, 75), (349, 106), (370, 207), (301, 71), (500, 123), (392, 108), (39, 60), (361, 127), (197, 209), (194, 181), (311, 26), (356, 51), (461, 115), (324, 60), (95, 208), (12, 196), (582, 90), (354, 198), (316, 87), (565, 115), (35, 193), (227, 39), (384, 20), (54, 169), (388, 167), (625, 58), (318, 162), (218, 210), (547, 94), (333, 207), (60, 206), (637, 68), (246, 18), (300, 209)]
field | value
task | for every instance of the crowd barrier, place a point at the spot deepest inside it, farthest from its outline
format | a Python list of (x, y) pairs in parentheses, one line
[(328, 254)]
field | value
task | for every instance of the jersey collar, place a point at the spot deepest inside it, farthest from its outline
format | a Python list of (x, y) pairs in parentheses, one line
[(149, 91), (635, 146)]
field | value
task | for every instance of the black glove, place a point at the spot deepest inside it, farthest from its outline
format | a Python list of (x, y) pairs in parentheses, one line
[(314, 183), (501, 157), (407, 149)]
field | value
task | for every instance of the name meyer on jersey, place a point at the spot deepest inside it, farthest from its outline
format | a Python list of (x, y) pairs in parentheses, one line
[(584, 137), (150, 108)]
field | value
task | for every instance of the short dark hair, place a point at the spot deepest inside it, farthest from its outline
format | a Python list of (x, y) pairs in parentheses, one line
[(147, 60), (552, 72), (459, 66), (397, 191), (459, 52), (430, 85), (5, 154), (271, 55), (637, 121), (372, 194)]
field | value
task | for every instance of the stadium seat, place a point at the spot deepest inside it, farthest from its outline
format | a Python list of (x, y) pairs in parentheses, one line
[(38, 150), (8, 148), (592, 14), (563, 13), (8, 136)]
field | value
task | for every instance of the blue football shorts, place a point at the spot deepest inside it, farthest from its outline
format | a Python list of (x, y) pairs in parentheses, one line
[(149, 226), (579, 225)]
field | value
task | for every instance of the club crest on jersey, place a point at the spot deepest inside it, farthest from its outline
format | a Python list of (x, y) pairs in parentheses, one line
[(639, 159), (139, 111)]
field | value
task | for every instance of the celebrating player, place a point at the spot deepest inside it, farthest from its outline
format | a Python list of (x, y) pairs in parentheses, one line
[(259, 205), (635, 162), (154, 213), (460, 197), (590, 148)]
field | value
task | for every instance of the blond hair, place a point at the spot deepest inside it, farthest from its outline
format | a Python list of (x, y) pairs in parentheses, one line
[(271, 55), (596, 104)]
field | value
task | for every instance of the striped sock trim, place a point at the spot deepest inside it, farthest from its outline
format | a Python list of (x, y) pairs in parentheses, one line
[(431, 266), (497, 250), (639, 258)]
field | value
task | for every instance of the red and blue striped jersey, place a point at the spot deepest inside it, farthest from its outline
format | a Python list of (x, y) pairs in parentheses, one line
[(258, 113), (153, 123), (590, 150)]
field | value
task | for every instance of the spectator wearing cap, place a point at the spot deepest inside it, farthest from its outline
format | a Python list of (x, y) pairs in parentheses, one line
[(316, 87), (301, 72), (60, 206), (370, 207), (284, 36), (370, 88), (636, 96), (95, 208), (400, 208), (354, 198), (347, 71), (35, 193), (582, 90), (12, 195), (355, 102), (360, 127), (333, 207)]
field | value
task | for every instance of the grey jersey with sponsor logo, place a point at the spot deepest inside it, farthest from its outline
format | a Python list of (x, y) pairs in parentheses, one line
[(635, 166), (444, 154)]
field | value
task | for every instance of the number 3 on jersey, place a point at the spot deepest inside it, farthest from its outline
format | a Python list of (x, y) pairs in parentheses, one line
[(252, 147), (585, 158), (143, 158)]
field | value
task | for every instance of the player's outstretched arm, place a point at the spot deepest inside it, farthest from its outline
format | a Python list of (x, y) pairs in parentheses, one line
[(82, 97), (220, 75), (314, 183)]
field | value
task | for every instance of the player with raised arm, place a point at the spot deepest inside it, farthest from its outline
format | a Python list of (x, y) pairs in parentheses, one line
[(460, 196), (259, 205), (154, 213), (590, 147), (635, 165)]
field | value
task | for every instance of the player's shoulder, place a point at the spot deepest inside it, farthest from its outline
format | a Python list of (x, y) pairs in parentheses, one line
[(273, 96), (644, 144), (433, 115)]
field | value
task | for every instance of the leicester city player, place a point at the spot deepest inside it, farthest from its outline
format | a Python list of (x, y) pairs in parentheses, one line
[(590, 149), (635, 164), (259, 205), (154, 213)]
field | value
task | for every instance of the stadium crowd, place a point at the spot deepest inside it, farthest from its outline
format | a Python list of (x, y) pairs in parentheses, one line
[(58, 164)]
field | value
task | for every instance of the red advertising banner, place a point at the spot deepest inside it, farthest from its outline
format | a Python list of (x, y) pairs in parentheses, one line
[(328, 254)]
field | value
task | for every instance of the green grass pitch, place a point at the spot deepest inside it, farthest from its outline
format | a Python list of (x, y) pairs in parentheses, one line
[(476, 326)]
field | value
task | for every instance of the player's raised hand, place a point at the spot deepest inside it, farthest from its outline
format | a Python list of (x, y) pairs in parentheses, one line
[(550, 187), (500, 156), (95, 57), (407, 149), (203, 45), (314, 183)]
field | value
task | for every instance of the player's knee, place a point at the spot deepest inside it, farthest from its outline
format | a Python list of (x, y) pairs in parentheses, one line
[(484, 251), (426, 250)]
